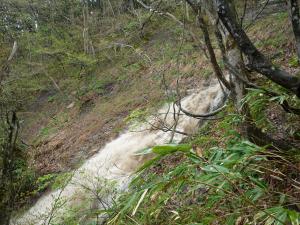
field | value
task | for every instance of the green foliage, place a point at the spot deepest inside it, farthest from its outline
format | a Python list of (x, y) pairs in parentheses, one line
[(293, 62), (132, 26), (136, 116), (258, 102), (223, 187), (272, 36), (99, 86), (169, 149), (44, 182), (275, 42), (53, 180), (16, 177), (60, 180), (278, 215)]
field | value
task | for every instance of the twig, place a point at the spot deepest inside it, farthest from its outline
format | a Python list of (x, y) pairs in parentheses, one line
[(171, 16), (257, 15)]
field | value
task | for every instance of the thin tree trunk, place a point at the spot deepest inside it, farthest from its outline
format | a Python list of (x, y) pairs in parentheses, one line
[(187, 11), (207, 40), (87, 42), (293, 9)]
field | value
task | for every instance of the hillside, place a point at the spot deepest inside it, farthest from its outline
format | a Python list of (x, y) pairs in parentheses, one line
[(90, 83)]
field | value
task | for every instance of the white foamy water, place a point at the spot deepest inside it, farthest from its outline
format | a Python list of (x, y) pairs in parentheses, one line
[(117, 160)]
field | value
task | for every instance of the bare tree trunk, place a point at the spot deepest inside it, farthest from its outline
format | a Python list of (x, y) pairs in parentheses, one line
[(237, 86), (128, 5), (293, 9), (233, 57), (87, 42), (187, 13), (85, 31), (231, 53)]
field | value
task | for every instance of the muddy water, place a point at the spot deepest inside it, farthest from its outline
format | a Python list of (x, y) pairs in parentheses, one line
[(117, 160)]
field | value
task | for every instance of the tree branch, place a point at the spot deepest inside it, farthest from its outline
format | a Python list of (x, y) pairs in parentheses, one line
[(257, 61), (285, 105)]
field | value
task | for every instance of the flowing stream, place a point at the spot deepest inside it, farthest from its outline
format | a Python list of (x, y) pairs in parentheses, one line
[(118, 160)]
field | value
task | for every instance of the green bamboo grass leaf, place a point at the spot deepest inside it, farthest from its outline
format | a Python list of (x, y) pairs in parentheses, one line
[(257, 182), (169, 149), (215, 169), (270, 221), (195, 158), (231, 160), (217, 155), (231, 220), (294, 217), (282, 216), (210, 178), (139, 202), (131, 203), (149, 163), (144, 151), (255, 194), (206, 182), (273, 216)]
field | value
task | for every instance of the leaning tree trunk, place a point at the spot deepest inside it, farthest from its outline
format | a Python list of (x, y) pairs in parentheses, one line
[(257, 61), (293, 9)]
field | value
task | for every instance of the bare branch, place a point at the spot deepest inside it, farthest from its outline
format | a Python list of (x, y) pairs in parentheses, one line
[(257, 61), (212, 55), (200, 116), (171, 16), (257, 15)]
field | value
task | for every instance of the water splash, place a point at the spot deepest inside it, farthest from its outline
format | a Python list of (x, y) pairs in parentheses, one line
[(117, 160)]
